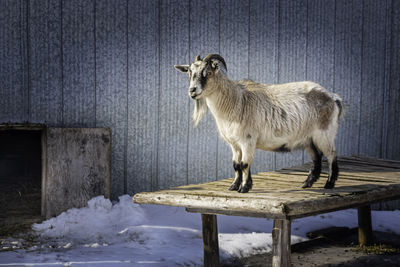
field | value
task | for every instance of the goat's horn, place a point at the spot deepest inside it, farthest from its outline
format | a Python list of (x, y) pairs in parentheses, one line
[(198, 58), (215, 56)]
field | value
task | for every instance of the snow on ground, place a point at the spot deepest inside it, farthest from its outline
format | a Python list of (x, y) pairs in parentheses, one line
[(127, 234)]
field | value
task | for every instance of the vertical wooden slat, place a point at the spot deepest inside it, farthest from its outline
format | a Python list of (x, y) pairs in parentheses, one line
[(173, 98), (78, 63), (204, 39), (111, 81), (386, 78), (281, 243), (292, 57), (263, 59), (393, 132), (143, 95), (13, 62), (210, 240), (45, 62), (347, 79), (234, 46), (373, 77)]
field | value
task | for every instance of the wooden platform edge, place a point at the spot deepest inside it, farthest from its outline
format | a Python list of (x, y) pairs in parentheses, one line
[(271, 209), (248, 208)]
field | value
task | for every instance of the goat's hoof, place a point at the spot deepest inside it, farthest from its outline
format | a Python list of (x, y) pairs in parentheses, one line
[(234, 187), (306, 184), (309, 181), (329, 184), (244, 189)]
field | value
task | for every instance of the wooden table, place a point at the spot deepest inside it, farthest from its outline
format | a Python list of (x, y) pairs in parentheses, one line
[(278, 195)]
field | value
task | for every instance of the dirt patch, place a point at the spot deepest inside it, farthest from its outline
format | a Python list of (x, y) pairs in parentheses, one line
[(20, 205), (338, 250)]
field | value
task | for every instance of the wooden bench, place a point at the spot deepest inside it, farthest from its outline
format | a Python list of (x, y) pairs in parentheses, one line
[(278, 195)]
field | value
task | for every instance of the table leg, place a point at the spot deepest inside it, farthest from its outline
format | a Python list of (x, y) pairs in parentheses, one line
[(364, 225), (210, 240), (281, 243)]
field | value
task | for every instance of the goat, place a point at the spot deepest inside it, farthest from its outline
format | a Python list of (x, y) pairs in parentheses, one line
[(272, 117)]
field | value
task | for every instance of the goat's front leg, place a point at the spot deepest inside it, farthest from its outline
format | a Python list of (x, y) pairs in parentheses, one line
[(236, 158), (248, 151)]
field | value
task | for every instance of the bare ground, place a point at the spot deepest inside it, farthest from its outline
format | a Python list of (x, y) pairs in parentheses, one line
[(20, 204), (335, 249)]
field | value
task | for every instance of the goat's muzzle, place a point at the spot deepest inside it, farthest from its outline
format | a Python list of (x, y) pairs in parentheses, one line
[(192, 92)]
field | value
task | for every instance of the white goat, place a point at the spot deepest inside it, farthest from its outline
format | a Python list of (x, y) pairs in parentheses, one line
[(273, 117)]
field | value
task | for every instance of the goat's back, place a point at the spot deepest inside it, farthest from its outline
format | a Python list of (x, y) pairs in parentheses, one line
[(293, 107)]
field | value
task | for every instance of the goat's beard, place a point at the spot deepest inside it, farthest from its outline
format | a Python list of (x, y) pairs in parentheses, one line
[(200, 109)]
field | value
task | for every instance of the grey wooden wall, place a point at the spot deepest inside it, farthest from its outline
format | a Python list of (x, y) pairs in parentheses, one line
[(109, 63)]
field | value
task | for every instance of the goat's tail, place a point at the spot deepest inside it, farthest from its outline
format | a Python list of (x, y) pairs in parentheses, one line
[(338, 101)]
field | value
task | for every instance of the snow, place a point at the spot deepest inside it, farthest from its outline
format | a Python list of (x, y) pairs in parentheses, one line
[(127, 234)]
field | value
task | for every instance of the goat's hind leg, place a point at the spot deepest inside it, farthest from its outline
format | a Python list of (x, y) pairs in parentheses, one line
[(315, 170), (327, 146), (333, 171)]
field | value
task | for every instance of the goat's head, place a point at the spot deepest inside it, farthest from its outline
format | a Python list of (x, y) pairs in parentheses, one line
[(200, 72)]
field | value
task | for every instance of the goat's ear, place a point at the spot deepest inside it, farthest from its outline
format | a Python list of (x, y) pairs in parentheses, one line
[(182, 68), (214, 64)]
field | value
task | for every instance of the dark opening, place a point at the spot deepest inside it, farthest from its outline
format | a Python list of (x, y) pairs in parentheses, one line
[(20, 179)]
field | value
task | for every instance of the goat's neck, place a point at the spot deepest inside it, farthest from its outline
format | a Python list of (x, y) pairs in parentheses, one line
[(226, 99)]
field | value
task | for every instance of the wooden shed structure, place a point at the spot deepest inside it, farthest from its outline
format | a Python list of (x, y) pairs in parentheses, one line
[(109, 63)]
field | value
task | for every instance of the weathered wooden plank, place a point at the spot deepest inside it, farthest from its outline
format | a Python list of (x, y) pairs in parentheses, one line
[(210, 240), (77, 167), (204, 39), (263, 187), (320, 45), (234, 37), (303, 208), (373, 77), (270, 204), (356, 168), (393, 130), (111, 82), (79, 92), (292, 57), (382, 176), (281, 243), (174, 101), (344, 179), (347, 79), (263, 59), (364, 225), (193, 201), (291, 193), (45, 61), (373, 161), (229, 213), (14, 94), (143, 95)]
